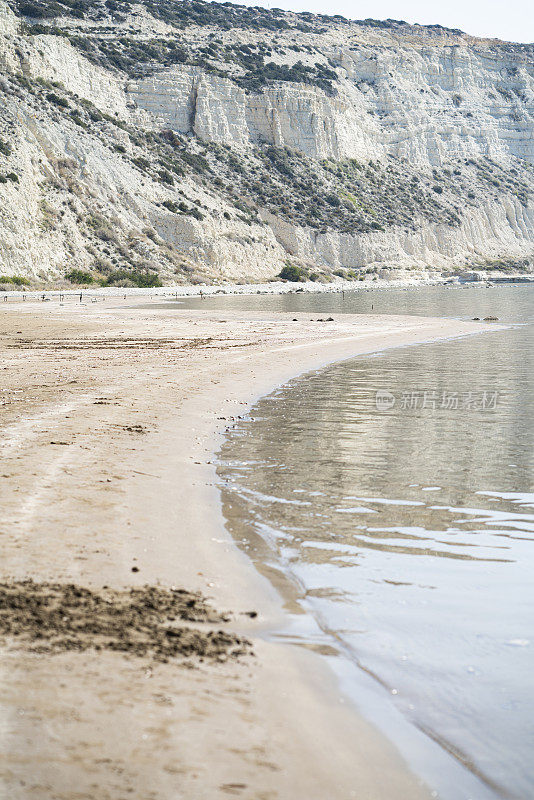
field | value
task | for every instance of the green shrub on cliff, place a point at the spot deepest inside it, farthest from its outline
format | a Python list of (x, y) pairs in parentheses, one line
[(142, 278), (79, 276), (56, 100), (17, 280), (292, 273)]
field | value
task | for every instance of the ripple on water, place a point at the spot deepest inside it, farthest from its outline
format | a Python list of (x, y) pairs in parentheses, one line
[(406, 535)]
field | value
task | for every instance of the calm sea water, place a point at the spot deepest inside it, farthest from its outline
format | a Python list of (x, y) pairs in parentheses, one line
[(402, 535)]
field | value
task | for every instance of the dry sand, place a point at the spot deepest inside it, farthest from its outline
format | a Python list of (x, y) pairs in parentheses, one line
[(111, 413)]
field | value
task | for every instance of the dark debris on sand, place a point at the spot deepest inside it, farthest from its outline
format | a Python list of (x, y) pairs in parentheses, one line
[(56, 617)]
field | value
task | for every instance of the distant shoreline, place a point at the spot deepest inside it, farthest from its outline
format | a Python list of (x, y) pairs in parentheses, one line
[(272, 287)]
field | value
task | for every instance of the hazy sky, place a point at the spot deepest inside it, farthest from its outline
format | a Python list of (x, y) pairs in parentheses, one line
[(512, 20)]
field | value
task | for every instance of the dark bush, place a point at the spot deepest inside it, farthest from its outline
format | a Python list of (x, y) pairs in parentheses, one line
[(165, 177), (333, 200), (141, 163), (292, 273), (17, 280), (170, 205), (142, 278), (37, 11), (56, 100), (79, 276)]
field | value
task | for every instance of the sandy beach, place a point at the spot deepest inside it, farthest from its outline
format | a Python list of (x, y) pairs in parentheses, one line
[(111, 414)]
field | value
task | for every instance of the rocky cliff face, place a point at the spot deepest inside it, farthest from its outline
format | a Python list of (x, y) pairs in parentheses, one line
[(423, 105), (191, 141)]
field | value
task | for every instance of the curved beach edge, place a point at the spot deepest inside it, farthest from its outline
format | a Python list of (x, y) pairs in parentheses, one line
[(112, 415)]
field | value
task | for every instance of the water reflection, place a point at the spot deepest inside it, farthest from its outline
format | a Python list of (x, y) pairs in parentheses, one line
[(335, 498)]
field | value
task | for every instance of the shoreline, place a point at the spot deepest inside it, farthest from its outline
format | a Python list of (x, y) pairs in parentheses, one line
[(271, 287), (261, 717)]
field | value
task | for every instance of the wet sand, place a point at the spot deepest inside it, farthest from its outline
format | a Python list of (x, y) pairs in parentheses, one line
[(111, 413)]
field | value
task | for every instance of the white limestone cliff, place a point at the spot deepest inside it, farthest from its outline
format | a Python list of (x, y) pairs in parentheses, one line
[(485, 234), (422, 104), (423, 99)]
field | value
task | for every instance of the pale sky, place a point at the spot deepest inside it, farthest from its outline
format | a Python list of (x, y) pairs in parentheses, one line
[(512, 20)]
